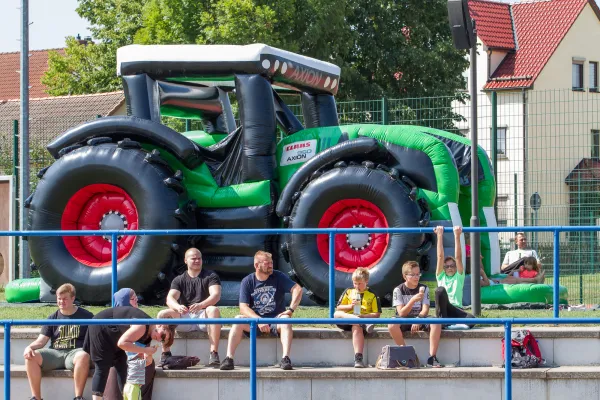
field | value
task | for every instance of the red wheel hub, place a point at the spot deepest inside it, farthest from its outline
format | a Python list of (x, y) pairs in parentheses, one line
[(355, 249), (99, 207)]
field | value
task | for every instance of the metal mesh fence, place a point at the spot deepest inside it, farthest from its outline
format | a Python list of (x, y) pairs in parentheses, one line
[(548, 142)]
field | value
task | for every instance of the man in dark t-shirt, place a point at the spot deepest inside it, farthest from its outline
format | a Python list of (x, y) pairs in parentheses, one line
[(66, 342), (194, 294), (262, 295)]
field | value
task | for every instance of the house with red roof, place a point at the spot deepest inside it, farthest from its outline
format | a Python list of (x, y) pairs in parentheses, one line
[(538, 60)]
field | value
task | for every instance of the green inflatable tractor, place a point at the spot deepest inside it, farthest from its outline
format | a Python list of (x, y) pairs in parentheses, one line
[(132, 172)]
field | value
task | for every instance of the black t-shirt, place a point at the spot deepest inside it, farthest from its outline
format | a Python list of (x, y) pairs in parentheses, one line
[(67, 337), (195, 290), (267, 297)]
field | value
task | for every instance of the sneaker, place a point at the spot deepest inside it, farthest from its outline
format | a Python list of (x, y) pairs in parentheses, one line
[(79, 398), (358, 361), (369, 328), (35, 398), (286, 363), (457, 327), (433, 362), (164, 356), (213, 360), (227, 364)]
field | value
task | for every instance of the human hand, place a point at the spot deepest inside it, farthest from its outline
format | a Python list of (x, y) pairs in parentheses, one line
[(415, 328), (264, 328), (29, 353), (457, 230), (196, 308), (149, 351), (419, 297), (149, 359), (181, 309), (286, 312), (439, 230)]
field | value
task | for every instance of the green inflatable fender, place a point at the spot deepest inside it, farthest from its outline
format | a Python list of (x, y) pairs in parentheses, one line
[(521, 293), (23, 290)]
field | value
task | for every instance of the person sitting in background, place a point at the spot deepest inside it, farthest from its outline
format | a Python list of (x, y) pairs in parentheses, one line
[(529, 269), (521, 251), (360, 299), (450, 276), (66, 342), (411, 300)]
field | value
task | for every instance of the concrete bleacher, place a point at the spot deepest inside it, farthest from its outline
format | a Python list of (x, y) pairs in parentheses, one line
[(323, 357)]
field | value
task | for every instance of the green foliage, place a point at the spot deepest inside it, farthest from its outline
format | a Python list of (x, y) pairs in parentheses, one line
[(385, 48)]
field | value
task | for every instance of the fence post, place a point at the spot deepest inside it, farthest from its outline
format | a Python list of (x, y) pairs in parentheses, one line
[(494, 146), (556, 274), (331, 273), (7, 361), (16, 223), (188, 125), (384, 111), (113, 255), (515, 201), (253, 360), (507, 361)]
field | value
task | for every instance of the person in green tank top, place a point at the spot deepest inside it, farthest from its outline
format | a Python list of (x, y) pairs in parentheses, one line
[(450, 276)]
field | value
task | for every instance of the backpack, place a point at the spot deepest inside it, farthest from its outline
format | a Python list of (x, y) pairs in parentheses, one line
[(398, 357), (179, 362), (525, 350)]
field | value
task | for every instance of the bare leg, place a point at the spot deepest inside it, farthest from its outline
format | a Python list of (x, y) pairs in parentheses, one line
[(396, 334), (34, 374), (214, 331), (235, 337), (358, 339), (80, 371), (168, 313), (287, 334), (434, 338)]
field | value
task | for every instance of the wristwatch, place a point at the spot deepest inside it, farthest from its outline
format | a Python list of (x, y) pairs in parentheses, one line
[(290, 309)]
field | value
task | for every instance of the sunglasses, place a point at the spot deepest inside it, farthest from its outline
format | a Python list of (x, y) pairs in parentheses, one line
[(449, 266)]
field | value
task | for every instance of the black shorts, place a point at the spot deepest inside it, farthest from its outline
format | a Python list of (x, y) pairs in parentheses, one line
[(348, 328), (273, 332), (408, 327)]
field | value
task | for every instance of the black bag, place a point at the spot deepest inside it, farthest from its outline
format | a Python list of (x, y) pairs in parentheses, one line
[(179, 362), (398, 357), (514, 266)]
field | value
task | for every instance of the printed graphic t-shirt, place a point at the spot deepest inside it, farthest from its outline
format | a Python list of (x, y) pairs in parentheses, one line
[(403, 294), (195, 290), (67, 337), (266, 297)]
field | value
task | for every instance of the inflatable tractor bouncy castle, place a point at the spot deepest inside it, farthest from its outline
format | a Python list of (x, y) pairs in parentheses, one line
[(133, 173)]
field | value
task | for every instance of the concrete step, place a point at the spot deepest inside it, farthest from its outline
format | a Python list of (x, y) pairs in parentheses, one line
[(561, 346), (461, 383)]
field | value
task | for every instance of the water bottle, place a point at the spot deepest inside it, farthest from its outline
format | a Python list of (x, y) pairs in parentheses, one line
[(356, 309)]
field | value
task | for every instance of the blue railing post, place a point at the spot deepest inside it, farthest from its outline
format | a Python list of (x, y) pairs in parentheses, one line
[(253, 328), (556, 274), (7, 361), (507, 361), (331, 274), (113, 255)]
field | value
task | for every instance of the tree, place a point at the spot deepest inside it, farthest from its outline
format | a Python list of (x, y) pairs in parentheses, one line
[(394, 48)]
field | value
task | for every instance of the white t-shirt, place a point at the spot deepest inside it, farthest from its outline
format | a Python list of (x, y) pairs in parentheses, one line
[(514, 255)]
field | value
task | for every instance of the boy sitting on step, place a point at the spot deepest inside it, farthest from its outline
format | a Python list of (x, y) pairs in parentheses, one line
[(358, 302)]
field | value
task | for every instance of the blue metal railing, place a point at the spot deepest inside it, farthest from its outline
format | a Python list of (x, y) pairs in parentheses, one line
[(506, 322)]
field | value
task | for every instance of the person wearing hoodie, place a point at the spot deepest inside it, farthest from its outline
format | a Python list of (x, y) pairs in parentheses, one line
[(128, 298)]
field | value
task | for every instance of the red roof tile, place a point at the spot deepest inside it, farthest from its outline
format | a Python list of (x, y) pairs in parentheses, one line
[(540, 27), (10, 64), (494, 24)]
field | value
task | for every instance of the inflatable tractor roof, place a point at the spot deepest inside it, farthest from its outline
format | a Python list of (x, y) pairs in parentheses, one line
[(204, 62)]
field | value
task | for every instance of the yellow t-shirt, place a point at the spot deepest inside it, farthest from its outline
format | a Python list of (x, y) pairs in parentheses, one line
[(369, 302)]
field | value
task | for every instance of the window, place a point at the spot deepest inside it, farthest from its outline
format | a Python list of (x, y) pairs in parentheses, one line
[(577, 75), (593, 76), (595, 143), (501, 140)]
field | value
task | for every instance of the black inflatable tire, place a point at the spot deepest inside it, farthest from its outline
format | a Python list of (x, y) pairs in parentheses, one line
[(353, 182), (158, 207)]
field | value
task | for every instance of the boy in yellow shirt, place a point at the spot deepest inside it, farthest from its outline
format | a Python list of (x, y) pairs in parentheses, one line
[(355, 299)]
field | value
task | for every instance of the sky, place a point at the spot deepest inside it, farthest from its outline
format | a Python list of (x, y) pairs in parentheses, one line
[(52, 21)]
